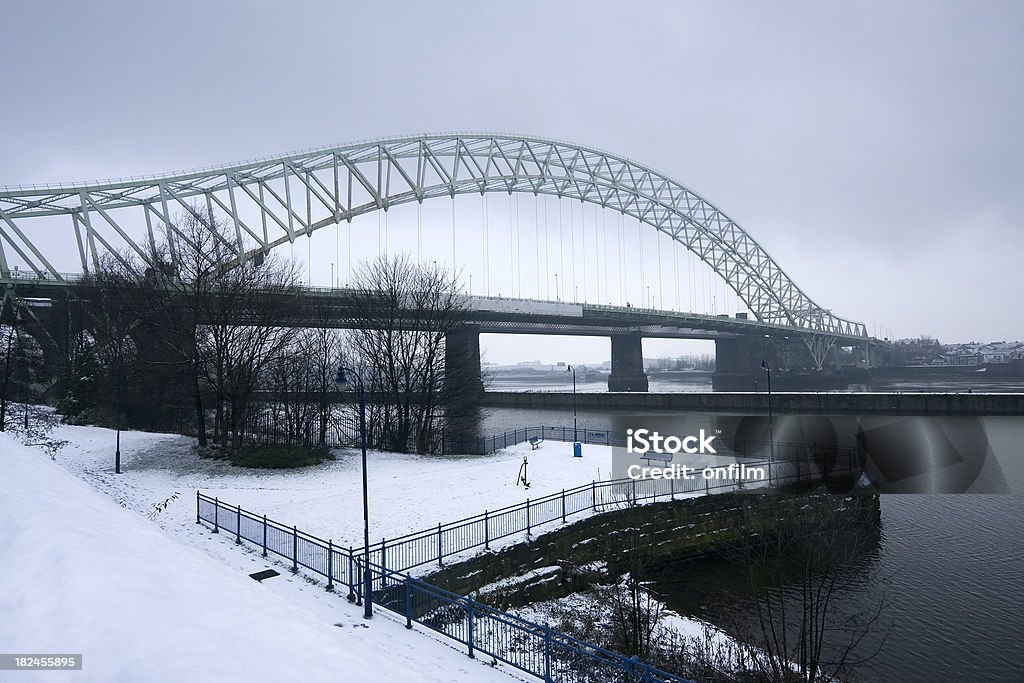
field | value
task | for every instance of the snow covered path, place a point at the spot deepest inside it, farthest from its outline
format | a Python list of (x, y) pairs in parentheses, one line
[(83, 575)]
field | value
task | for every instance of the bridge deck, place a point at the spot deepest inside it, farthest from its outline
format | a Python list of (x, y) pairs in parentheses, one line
[(499, 314)]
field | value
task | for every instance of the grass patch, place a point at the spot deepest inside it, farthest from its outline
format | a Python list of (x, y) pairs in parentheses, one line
[(276, 457), (279, 457)]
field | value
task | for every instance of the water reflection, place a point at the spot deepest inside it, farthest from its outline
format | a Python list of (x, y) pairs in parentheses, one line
[(950, 564)]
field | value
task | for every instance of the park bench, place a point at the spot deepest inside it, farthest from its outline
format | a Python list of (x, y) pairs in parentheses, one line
[(535, 442)]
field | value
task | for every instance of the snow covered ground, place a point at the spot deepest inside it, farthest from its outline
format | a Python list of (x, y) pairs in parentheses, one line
[(406, 492), (84, 575), (125, 572)]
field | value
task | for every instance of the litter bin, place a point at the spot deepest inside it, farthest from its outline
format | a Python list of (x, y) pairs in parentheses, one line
[(577, 450)]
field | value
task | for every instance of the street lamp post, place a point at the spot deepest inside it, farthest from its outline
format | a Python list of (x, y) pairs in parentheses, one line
[(771, 428), (570, 368), (117, 422), (367, 584)]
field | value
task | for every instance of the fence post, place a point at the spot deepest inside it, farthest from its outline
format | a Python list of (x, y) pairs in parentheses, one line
[(563, 506), (547, 655), (360, 584), (295, 549), (469, 621), (264, 535), (707, 487), (408, 602), (216, 509), (330, 565), (487, 533), (383, 563), (439, 556), (593, 495), (527, 516), (351, 597), (634, 501), (197, 506), (238, 525), (672, 488)]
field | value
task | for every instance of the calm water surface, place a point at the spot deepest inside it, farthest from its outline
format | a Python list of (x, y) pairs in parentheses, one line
[(953, 565)]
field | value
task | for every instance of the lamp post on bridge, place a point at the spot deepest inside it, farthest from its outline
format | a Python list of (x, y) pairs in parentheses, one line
[(343, 380)]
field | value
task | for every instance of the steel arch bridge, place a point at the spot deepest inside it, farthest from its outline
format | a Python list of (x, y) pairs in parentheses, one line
[(271, 201)]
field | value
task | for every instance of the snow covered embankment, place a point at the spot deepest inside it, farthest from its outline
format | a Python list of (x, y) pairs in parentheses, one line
[(83, 575)]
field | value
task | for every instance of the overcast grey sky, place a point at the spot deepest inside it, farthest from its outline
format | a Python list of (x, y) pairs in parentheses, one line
[(874, 149)]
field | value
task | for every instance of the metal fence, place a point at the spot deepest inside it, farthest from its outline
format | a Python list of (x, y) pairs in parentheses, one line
[(530, 647), (524, 645), (433, 545), (482, 445)]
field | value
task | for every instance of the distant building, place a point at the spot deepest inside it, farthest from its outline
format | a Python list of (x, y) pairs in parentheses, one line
[(976, 353), (920, 351)]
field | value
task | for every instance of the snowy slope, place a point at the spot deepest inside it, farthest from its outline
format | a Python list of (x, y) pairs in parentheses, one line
[(81, 574)]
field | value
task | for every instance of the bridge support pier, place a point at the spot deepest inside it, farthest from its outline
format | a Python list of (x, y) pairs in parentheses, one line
[(794, 367), (738, 364), (627, 363), (462, 364)]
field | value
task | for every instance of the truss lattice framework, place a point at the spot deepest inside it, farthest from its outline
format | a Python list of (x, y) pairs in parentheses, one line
[(272, 201)]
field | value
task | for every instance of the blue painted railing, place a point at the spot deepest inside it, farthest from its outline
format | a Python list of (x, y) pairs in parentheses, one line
[(537, 649), (530, 647)]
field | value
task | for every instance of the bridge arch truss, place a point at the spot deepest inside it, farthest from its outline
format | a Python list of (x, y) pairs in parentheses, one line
[(275, 200)]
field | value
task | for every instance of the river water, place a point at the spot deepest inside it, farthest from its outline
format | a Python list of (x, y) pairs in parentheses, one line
[(951, 564)]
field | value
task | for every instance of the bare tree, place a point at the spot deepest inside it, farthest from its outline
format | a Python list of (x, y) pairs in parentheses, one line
[(402, 312), (21, 357), (168, 292), (240, 334), (799, 574), (322, 347), (635, 612), (210, 314), (302, 383)]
